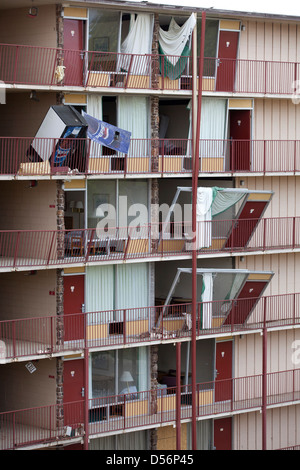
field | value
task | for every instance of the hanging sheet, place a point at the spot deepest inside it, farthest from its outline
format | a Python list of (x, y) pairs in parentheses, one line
[(137, 43), (207, 297), (174, 47), (223, 200), (210, 203)]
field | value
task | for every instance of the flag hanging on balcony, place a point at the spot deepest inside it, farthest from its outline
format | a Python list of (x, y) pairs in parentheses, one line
[(174, 47), (106, 134)]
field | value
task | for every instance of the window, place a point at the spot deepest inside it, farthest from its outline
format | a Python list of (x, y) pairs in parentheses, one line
[(119, 371), (210, 45)]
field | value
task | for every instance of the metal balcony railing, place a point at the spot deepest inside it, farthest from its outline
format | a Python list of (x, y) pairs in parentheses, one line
[(38, 66), (37, 249), (18, 158), (59, 423), (57, 335)]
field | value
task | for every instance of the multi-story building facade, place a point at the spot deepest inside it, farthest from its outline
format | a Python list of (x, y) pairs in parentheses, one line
[(117, 331)]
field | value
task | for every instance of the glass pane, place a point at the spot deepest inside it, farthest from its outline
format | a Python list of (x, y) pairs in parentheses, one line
[(210, 46), (135, 194), (101, 195), (103, 374), (103, 30)]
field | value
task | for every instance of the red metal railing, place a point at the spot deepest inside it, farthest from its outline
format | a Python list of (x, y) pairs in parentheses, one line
[(41, 336), (38, 426), (30, 249), (42, 425), (34, 65), (25, 156)]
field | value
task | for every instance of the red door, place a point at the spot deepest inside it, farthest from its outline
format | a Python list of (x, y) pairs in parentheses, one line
[(73, 392), (244, 225), (222, 434), (73, 56), (223, 383), (246, 300), (73, 306), (240, 131), (228, 45)]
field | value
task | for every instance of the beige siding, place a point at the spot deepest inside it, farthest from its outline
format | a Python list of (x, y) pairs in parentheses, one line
[(25, 208), (275, 119), (16, 27), (21, 116), (286, 268), (248, 352), (21, 390), (286, 194), (282, 430), (37, 287), (270, 41)]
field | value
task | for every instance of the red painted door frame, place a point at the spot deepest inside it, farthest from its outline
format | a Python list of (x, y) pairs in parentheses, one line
[(73, 55), (240, 134), (223, 382), (226, 64)]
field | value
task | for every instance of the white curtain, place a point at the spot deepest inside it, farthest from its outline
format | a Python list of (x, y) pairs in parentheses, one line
[(212, 127), (133, 117), (138, 41), (94, 108), (207, 296), (99, 292), (203, 217), (132, 288)]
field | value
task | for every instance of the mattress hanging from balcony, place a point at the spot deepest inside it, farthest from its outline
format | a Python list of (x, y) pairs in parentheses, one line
[(175, 47)]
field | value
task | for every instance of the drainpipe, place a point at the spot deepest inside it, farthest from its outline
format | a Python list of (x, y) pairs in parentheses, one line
[(196, 136)]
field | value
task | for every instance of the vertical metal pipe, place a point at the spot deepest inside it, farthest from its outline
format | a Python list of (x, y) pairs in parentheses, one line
[(264, 385), (196, 136), (86, 389), (178, 396)]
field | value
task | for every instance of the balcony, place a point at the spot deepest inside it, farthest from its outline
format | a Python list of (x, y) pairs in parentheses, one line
[(41, 337), (40, 249), (89, 159), (39, 427), (34, 66)]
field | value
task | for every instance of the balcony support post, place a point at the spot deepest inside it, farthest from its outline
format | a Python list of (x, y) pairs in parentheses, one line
[(86, 396), (178, 396), (196, 135), (264, 385)]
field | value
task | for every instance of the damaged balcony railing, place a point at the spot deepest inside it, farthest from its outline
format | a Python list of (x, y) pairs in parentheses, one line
[(45, 66), (37, 249), (44, 336), (42, 425), (20, 157)]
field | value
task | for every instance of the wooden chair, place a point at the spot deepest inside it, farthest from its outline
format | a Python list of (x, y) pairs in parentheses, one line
[(76, 246)]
